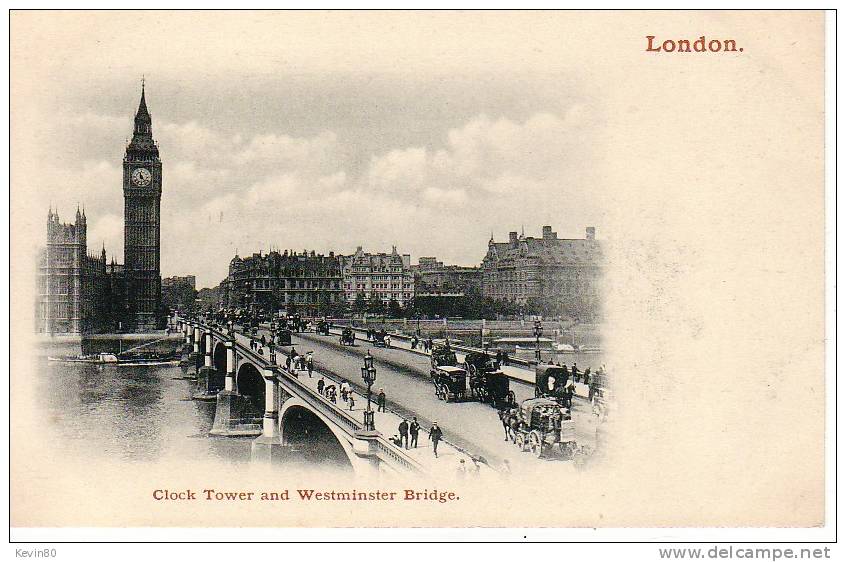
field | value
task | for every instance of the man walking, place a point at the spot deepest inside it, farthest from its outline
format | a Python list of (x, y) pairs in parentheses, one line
[(310, 363), (435, 434), (403, 431), (380, 400), (569, 390), (320, 384), (413, 430)]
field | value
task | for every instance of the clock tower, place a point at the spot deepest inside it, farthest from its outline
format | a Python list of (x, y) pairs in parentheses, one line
[(142, 193)]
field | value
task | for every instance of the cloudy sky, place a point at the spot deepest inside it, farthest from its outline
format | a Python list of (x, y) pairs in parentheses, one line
[(319, 133)]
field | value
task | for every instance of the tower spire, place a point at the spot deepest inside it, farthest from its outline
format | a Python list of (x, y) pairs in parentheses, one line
[(142, 146)]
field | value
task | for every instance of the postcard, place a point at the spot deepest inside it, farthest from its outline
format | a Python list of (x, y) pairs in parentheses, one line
[(406, 269)]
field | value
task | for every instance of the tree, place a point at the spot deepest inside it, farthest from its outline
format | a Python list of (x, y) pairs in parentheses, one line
[(360, 305), (375, 305), (394, 309)]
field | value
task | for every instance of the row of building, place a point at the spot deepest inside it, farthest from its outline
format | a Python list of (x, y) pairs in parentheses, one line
[(524, 270)]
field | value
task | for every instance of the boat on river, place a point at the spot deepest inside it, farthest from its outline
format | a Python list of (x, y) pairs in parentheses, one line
[(120, 360)]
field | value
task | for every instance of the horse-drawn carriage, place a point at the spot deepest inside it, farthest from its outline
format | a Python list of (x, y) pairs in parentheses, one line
[(550, 382), (379, 338), (322, 327), (283, 337), (542, 426), (347, 336), (487, 382), (450, 383), (450, 380)]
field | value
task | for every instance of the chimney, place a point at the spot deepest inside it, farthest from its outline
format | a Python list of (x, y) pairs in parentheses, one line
[(512, 239), (590, 233)]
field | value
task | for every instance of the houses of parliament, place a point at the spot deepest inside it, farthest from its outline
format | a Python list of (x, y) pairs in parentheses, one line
[(81, 293)]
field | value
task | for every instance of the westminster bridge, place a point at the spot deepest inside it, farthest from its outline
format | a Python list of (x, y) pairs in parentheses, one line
[(284, 412), (244, 382)]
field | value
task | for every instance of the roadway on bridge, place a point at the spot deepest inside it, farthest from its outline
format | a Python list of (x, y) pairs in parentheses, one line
[(470, 425)]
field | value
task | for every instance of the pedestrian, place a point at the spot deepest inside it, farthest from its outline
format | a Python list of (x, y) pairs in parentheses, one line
[(351, 401), (477, 468), (288, 363), (569, 390), (320, 384), (574, 372), (505, 358), (403, 431), (380, 400), (345, 389), (413, 430), (310, 363), (461, 471), (387, 341), (330, 393), (506, 469), (435, 434), (414, 342)]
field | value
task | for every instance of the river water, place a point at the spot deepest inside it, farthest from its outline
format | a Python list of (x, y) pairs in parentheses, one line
[(134, 413)]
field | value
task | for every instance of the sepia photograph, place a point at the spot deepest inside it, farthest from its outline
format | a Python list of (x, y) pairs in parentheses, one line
[(558, 270)]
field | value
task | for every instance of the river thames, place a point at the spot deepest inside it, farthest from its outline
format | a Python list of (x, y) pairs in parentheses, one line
[(133, 413)]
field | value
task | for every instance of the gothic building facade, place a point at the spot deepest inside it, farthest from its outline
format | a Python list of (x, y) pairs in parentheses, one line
[(559, 276), (79, 293), (69, 280), (142, 193)]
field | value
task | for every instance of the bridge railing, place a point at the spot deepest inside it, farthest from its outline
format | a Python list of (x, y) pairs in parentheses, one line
[(350, 425)]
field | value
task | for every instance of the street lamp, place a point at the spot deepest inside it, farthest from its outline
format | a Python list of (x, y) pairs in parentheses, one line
[(368, 373), (538, 331)]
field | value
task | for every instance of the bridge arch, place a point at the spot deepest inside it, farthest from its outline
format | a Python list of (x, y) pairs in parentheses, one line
[(219, 357), (250, 383), (314, 438)]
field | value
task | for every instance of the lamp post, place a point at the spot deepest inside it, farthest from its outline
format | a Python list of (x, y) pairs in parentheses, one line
[(538, 331), (368, 373)]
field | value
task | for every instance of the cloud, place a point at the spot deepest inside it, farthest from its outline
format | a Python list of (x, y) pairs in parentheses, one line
[(106, 230), (250, 190)]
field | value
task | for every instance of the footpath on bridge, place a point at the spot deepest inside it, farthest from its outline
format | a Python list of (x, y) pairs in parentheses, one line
[(447, 463), (512, 371)]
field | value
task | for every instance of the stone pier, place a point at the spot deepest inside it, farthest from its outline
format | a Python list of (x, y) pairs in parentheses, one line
[(208, 379), (233, 415), (268, 448)]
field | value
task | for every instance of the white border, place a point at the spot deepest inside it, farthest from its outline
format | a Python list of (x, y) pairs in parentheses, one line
[(714, 535)]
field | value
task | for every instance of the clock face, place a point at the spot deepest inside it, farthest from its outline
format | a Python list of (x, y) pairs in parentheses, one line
[(141, 177)]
